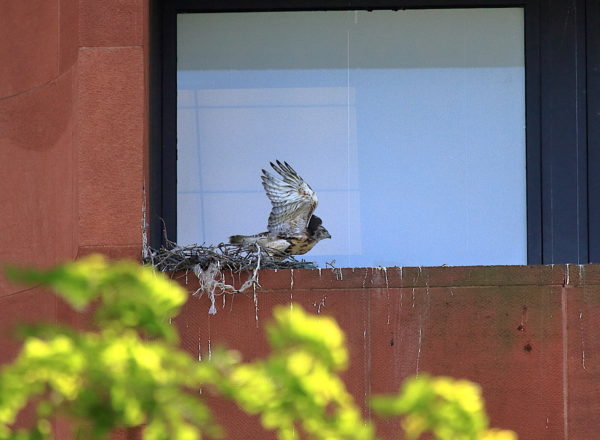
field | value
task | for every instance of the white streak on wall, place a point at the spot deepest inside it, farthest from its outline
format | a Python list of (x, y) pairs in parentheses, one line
[(419, 347)]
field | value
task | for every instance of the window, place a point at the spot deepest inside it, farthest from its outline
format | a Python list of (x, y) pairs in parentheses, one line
[(412, 126)]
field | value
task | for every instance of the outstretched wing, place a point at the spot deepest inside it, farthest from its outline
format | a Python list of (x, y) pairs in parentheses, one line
[(292, 199)]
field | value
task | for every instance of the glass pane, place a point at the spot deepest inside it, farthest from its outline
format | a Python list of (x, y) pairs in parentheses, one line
[(409, 125)]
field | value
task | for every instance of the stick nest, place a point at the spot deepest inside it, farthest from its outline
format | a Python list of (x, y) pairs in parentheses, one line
[(236, 258), (209, 262)]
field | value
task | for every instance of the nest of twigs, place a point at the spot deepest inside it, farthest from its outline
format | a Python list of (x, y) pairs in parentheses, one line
[(209, 262), (236, 258)]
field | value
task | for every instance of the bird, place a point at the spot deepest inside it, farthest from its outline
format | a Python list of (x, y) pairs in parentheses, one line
[(292, 227)]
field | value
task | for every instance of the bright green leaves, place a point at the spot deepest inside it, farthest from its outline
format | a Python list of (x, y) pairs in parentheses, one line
[(447, 408), (116, 376), (44, 365), (112, 381), (141, 298), (296, 387), (320, 335)]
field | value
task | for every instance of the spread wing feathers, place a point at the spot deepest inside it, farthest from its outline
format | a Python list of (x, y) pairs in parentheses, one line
[(292, 199)]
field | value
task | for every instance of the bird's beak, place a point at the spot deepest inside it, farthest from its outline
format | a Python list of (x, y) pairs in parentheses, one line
[(327, 235)]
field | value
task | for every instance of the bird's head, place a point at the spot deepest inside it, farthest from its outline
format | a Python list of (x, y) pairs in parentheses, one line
[(315, 229), (321, 233)]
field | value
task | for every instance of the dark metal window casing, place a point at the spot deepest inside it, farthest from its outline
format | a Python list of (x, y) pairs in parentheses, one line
[(562, 96)]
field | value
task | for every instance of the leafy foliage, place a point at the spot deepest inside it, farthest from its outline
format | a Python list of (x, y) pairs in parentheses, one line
[(449, 409), (129, 372), (297, 384)]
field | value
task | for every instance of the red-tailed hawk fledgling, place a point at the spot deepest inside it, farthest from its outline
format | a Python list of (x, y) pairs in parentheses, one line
[(292, 227)]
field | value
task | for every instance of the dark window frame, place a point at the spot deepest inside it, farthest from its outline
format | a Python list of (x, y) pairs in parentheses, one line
[(562, 98)]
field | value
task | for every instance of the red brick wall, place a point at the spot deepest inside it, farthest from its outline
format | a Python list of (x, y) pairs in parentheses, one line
[(528, 335), (72, 128)]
